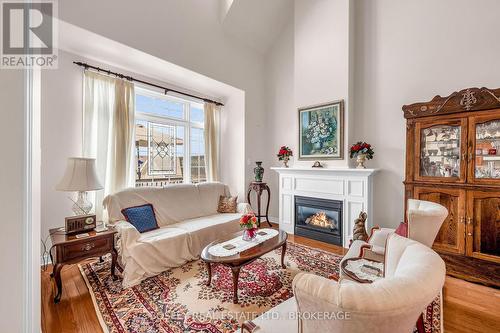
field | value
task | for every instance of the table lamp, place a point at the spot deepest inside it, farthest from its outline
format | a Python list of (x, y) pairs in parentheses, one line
[(80, 176)]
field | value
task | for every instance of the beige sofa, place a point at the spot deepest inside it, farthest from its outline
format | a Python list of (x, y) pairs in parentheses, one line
[(414, 276), (188, 220)]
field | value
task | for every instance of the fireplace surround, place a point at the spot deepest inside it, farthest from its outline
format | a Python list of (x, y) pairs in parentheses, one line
[(319, 219), (353, 187)]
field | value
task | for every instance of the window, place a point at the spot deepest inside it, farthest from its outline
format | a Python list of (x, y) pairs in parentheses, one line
[(169, 139)]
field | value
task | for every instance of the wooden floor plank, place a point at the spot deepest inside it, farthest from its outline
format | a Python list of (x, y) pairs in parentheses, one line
[(468, 307)]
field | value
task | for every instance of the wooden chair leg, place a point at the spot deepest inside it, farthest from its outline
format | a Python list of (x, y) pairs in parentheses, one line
[(248, 327)]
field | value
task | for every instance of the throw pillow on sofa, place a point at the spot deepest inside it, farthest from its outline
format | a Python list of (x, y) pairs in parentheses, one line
[(142, 217), (402, 229), (227, 204)]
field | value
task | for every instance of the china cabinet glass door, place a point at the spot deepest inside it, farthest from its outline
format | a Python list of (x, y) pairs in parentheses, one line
[(484, 155), (441, 150)]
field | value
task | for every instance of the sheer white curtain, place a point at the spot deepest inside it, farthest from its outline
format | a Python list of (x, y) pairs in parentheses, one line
[(108, 132), (212, 141)]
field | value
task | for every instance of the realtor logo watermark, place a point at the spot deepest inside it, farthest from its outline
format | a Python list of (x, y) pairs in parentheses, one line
[(29, 34)]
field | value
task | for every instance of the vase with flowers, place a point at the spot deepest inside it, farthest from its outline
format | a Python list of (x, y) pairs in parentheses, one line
[(248, 223), (362, 151), (284, 155)]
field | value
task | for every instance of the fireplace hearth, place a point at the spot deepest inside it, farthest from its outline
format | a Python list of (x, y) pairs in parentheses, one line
[(319, 219)]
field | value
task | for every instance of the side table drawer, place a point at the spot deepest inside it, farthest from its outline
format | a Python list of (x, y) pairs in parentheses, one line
[(86, 248)]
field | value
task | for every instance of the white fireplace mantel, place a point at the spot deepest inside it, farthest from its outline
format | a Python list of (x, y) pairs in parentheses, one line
[(351, 186)]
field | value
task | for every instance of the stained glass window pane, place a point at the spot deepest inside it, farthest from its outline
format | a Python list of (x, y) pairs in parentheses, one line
[(169, 140), (162, 149)]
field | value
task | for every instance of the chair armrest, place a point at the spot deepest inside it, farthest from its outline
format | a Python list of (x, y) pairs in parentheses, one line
[(127, 233), (244, 208), (379, 236), (315, 287)]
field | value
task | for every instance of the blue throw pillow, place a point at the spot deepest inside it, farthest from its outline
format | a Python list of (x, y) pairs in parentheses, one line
[(141, 217)]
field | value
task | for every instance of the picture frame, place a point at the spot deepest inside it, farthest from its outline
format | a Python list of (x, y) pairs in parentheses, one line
[(321, 131)]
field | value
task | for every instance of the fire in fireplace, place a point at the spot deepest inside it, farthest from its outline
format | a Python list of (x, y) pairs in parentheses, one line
[(319, 219)]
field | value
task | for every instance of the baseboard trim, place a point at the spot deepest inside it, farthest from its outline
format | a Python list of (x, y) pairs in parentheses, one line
[(274, 219)]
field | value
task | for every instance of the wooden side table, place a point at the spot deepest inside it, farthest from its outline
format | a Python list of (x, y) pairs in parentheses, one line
[(71, 250), (258, 188), (355, 275)]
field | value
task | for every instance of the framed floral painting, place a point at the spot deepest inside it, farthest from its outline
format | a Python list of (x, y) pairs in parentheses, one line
[(321, 131)]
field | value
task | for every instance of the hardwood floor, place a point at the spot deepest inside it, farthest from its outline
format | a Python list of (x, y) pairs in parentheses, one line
[(468, 307)]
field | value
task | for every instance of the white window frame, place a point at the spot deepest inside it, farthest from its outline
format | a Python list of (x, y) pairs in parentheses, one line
[(186, 123)]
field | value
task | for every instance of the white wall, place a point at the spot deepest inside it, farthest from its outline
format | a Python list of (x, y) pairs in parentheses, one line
[(12, 247), (307, 65), (409, 51), (322, 60), (61, 136), (282, 124)]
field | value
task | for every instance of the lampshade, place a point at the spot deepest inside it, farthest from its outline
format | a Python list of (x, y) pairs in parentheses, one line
[(80, 175)]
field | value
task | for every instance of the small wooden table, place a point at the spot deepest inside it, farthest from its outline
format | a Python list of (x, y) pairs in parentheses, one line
[(258, 188), (353, 275), (241, 259), (70, 250)]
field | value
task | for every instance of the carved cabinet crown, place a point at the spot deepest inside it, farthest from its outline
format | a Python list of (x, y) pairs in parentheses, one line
[(470, 99)]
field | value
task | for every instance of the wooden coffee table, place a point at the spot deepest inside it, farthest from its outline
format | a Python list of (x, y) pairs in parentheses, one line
[(243, 258)]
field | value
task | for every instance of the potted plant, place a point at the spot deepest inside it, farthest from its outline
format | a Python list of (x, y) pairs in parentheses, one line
[(248, 223), (284, 155), (362, 151)]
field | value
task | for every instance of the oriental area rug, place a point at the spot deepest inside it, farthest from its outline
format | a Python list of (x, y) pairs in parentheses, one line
[(178, 300)]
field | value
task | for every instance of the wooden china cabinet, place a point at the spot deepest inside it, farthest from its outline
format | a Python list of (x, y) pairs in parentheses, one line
[(453, 158)]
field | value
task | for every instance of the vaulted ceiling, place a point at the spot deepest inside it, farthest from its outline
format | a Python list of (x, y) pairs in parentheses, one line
[(257, 23)]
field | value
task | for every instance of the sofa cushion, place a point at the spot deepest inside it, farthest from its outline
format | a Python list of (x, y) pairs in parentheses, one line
[(206, 229), (402, 229), (141, 217), (210, 193), (154, 252), (398, 246), (227, 204)]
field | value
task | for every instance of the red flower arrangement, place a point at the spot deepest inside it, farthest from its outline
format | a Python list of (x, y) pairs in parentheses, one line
[(362, 148), (284, 155), (249, 223), (284, 152)]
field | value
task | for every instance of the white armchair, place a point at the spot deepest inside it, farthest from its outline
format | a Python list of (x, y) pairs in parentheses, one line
[(424, 218), (414, 276)]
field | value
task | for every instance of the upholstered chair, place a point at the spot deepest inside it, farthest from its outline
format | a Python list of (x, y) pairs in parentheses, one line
[(414, 276), (424, 219)]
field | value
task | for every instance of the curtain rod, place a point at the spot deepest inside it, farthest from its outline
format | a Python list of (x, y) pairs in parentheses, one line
[(130, 78)]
